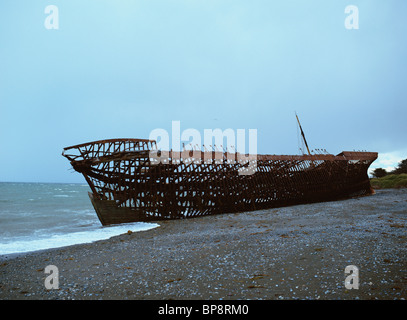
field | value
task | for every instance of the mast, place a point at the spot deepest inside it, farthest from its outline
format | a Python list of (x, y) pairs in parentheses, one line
[(302, 133)]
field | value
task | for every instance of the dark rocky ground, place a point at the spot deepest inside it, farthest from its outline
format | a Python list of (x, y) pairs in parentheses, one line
[(290, 253)]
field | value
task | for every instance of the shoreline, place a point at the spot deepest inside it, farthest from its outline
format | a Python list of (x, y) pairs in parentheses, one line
[(297, 252)]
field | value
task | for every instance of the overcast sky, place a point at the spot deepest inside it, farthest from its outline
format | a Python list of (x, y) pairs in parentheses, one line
[(124, 68)]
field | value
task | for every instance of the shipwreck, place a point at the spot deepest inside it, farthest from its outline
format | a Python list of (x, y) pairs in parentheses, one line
[(129, 184)]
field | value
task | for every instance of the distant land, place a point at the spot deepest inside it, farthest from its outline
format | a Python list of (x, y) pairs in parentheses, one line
[(390, 181)]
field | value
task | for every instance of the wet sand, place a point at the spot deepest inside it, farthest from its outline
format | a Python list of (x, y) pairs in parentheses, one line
[(297, 252)]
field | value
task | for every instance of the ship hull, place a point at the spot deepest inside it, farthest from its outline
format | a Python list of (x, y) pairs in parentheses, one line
[(128, 185)]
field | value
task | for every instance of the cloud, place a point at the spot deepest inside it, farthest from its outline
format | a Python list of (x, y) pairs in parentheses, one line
[(389, 160)]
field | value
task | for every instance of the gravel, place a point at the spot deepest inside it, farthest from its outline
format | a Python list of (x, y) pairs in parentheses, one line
[(297, 252)]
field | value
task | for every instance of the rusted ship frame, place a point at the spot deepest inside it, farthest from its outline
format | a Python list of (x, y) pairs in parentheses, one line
[(128, 185)]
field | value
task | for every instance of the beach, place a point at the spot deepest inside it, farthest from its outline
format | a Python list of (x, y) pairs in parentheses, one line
[(297, 252)]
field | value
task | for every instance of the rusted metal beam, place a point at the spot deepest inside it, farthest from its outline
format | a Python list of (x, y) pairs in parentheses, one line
[(129, 184)]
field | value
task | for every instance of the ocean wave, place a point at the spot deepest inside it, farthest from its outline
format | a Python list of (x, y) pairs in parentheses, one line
[(68, 239)]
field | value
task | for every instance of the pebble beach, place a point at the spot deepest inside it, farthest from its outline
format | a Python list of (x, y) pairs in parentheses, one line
[(291, 253)]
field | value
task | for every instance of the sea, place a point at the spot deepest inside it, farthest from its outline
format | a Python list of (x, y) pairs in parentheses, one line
[(38, 216)]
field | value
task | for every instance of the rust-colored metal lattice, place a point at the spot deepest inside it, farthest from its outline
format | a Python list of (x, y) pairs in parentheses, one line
[(129, 183)]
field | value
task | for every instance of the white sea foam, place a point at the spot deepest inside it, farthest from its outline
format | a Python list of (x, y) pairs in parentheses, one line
[(38, 216), (67, 239)]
